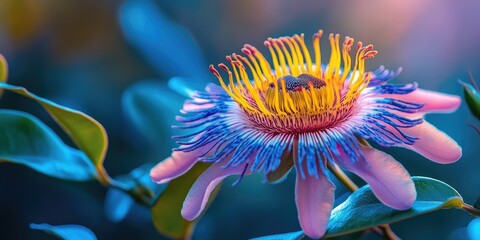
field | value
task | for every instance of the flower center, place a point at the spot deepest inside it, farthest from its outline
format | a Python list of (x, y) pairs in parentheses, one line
[(298, 94)]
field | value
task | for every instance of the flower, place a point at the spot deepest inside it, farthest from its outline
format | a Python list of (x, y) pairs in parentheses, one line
[(304, 114)]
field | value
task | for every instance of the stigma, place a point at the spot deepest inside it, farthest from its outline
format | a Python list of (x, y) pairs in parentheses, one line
[(297, 84)]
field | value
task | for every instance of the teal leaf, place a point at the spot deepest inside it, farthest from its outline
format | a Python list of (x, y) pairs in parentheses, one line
[(167, 46), (473, 229), (26, 140), (283, 236), (117, 204), (67, 232), (362, 209), (472, 97), (151, 108), (85, 132)]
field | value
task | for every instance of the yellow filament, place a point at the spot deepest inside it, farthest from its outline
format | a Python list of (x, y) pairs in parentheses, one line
[(256, 78), (278, 72), (296, 63), (318, 54), (239, 84), (301, 40), (240, 100), (267, 70), (347, 61), (281, 57), (259, 71), (301, 63), (292, 68), (252, 91)]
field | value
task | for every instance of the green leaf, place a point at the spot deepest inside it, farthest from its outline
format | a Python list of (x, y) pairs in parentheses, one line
[(67, 232), (472, 98), (85, 132), (166, 208), (284, 236), (362, 209), (26, 140)]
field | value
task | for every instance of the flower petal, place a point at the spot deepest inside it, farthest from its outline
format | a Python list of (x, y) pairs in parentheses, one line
[(434, 101), (190, 106), (389, 180), (200, 192), (178, 164), (433, 143), (314, 198)]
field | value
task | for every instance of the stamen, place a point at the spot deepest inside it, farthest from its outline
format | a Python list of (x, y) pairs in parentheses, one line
[(318, 55), (301, 39), (297, 89), (280, 56), (274, 59), (296, 64)]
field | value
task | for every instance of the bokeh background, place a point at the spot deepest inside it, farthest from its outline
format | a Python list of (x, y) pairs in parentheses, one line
[(84, 54)]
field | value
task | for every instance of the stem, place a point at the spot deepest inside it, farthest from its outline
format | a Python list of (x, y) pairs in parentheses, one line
[(470, 209), (139, 193), (351, 186), (383, 230), (103, 177), (389, 234), (189, 232)]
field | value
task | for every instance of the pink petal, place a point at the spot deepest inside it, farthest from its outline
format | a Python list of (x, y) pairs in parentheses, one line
[(434, 101), (314, 198), (195, 107), (178, 164), (433, 143), (200, 192), (388, 179)]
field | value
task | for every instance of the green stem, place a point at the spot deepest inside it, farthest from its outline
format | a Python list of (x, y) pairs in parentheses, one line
[(344, 179), (140, 194), (470, 209), (103, 176)]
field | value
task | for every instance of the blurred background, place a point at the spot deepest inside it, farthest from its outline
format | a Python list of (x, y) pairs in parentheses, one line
[(85, 54)]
